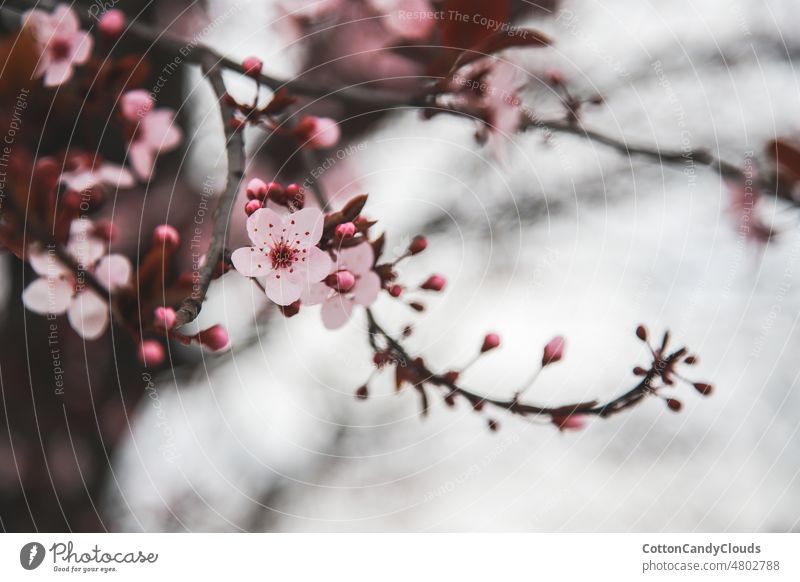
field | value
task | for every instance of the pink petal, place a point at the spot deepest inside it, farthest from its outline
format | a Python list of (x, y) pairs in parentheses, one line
[(282, 288), (358, 259), (65, 19), (142, 159), (46, 264), (336, 311), (46, 295), (117, 176), (42, 65), (367, 289), (136, 104), (251, 262), (83, 246), (418, 28), (264, 226), (315, 294), (305, 226), (88, 315), (57, 73), (159, 130), (319, 265), (82, 45), (114, 271), (80, 181)]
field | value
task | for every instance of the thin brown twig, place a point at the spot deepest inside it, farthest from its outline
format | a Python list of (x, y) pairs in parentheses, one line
[(633, 396)]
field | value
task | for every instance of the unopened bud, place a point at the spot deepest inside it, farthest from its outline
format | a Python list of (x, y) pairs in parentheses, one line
[(346, 230), (252, 66), (418, 244), (151, 353), (434, 283), (490, 342)]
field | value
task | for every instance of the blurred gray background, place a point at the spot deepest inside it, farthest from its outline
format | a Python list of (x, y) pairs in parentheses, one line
[(559, 236)]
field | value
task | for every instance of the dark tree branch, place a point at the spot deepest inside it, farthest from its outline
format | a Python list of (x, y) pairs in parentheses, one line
[(191, 306)]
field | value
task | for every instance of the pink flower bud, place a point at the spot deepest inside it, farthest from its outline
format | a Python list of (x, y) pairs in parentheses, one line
[(256, 189), (434, 283), (419, 244), (317, 132), (166, 236), (252, 66), (164, 318), (569, 421), (151, 353), (346, 230), (396, 291), (214, 338), (343, 281), (295, 197), (553, 351), (252, 206), (490, 342), (112, 23)]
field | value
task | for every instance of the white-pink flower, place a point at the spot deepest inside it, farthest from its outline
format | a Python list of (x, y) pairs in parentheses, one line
[(155, 130), (284, 251), (87, 176), (361, 286), (62, 43), (57, 290)]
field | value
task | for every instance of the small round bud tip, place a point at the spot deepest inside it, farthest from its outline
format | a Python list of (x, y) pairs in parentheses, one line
[(345, 230), (252, 66), (434, 283), (490, 342), (151, 353)]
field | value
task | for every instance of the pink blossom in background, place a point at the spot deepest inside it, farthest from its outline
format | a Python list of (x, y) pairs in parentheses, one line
[(318, 132), (57, 290), (338, 302), (284, 251), (61, 41), (155, 131), (87, 176)]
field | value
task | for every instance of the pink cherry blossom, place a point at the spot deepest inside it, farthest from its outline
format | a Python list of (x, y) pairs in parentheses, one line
[(155, 131), (57, 290), (61, 42), (284, 251), (87, 176), (352, 282)]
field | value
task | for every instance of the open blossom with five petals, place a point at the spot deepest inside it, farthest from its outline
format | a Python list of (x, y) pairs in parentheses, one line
[(284, 251), (58, 290), (62, 43), (353, 265), (154, 130)]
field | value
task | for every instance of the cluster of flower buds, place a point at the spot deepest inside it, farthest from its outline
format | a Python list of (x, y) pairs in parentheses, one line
[(152, 352), (260, 193), (663, 370)]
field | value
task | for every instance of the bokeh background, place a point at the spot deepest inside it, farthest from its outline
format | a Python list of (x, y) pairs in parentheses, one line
[(538, 237)]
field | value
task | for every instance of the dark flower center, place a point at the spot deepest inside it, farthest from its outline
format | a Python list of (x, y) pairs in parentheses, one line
[(282, 255), (59, 47)]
